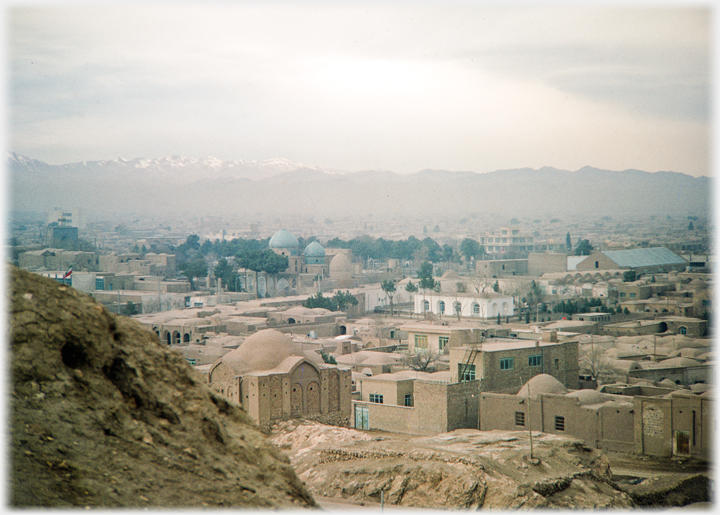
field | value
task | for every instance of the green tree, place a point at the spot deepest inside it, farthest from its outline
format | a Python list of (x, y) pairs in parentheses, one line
[(343, 300), (425, 276), (130, 309), (691, 226), (471, 249), (339, 301), (327, 358), (629, 276), (388, 286), (194, 268), (568, 242), (262, 261), (496, 287), (319, 301), (411, 287), (227, 274), (583, 248), (448, 253)]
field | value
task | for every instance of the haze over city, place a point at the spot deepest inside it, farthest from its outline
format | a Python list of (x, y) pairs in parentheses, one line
[(399, 87)]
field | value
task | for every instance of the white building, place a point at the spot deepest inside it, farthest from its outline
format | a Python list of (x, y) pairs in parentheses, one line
[(70, 217), (486, 305)]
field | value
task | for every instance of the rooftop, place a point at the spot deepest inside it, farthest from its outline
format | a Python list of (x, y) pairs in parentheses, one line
[(635, 258)]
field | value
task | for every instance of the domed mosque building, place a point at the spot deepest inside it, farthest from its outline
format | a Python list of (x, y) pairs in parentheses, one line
[(306, 269), (273, 378)]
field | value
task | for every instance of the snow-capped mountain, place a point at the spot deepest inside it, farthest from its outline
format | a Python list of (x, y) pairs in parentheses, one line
[(179, 186)]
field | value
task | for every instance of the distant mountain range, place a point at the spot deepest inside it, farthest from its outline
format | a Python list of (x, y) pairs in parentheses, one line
[(182, 186)]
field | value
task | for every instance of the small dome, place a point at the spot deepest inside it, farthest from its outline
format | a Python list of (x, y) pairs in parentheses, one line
[(542, 383), (340, 263), (263, 350), (314, 250), (679, 362), (283, 239), (590, 397)]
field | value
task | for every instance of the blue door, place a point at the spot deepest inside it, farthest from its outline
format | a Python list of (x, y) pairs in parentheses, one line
[(362, 417)]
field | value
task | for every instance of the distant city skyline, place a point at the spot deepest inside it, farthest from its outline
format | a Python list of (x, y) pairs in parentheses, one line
[(399, 86)]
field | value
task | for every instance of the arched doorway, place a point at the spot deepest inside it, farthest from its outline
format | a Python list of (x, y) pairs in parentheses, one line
[(313, 398), (343, 330), (296, 399), (186, 338)]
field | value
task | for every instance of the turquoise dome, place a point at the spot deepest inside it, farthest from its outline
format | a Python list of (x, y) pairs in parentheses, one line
[(283, 239), (314, 250)]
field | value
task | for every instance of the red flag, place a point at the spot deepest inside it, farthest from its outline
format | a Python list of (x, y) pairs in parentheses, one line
[(68, 273)]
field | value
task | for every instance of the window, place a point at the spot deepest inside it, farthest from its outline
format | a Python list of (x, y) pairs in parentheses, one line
[(519, 418), (443, 341), (408, 399), (476, 309), (426, 305), (622, 294), (683, 329), (421, 341), (466, 372), (441, 307), (535, 361), (100, 283), (507, 363), (376, 398), (632, 295), (559, 423), (557, 363)]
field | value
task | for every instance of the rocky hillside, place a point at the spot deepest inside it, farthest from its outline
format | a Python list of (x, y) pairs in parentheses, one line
[(103, 415), (458, 470)]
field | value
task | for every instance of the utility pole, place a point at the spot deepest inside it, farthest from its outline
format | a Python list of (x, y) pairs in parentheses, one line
[(528, 417)]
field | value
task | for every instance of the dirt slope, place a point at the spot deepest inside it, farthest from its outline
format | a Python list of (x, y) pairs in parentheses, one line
[(102, 414), (461, 469)]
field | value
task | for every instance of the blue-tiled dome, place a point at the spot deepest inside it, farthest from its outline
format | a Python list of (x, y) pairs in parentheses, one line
[(314, 250), (283, 239)]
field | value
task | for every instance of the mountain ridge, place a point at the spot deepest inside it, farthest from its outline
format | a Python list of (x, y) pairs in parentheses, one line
[(178, 185)]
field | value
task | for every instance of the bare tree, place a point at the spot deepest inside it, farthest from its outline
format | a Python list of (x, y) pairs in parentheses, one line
[(482, 284), (420, 361), (594, 359)]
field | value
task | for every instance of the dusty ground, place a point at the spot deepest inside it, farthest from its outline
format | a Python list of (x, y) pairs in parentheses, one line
[(462, 469), (103, 415), (347, 469)]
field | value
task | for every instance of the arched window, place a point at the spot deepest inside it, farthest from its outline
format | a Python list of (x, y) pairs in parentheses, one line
[(476, 309), (441, 307), (682, 329), (426, 305)]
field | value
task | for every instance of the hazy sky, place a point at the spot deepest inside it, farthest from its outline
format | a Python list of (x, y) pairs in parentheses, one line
[(366, 85)]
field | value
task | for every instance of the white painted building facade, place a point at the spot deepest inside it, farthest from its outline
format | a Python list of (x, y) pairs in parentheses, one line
[(487, 305)]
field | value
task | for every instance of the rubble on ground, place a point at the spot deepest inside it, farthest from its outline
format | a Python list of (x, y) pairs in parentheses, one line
[(461, 469)]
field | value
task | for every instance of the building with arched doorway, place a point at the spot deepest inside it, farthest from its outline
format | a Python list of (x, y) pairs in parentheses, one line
[(273, 379), (485, 305)]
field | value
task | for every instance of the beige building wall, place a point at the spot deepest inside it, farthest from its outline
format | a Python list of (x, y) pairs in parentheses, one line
[(559, 360), (608, 428), (541, 263), (597, 261)]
